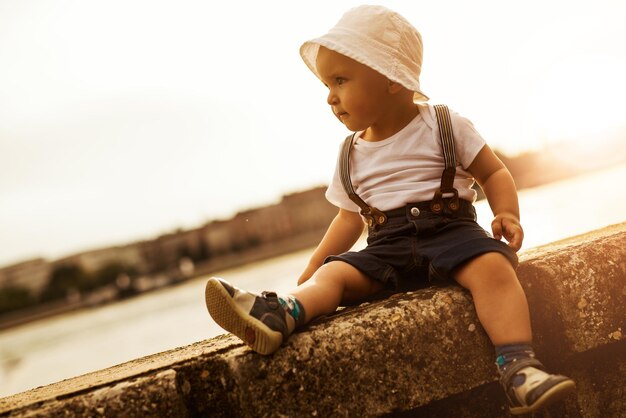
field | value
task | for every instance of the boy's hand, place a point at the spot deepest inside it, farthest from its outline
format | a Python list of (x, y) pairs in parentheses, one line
[(509, 227), (308, 272)]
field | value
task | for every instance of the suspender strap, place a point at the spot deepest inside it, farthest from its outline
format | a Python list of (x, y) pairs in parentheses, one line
[(375, 216), (370, 213), (447, 144)]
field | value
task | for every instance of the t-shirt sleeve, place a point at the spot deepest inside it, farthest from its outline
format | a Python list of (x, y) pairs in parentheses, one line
[(468, 142), (336, 194)]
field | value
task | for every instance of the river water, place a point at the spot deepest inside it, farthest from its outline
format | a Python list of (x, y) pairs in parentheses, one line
[(71, 344)]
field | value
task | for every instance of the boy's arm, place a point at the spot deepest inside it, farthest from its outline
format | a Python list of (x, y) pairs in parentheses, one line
[(341, 235), (499, 187)]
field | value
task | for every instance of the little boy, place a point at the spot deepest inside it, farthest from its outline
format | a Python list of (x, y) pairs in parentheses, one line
[(407, 171)]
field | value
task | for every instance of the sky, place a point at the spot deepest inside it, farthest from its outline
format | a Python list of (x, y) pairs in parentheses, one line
[(121, 120)]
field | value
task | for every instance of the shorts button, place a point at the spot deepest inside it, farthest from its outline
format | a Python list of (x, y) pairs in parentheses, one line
[(415, 211)]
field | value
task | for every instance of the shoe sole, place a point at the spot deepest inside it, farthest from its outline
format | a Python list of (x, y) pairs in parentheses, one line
[(554, 394), (225, 312)]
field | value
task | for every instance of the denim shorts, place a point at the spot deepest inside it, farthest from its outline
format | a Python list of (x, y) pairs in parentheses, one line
[(417, 248)]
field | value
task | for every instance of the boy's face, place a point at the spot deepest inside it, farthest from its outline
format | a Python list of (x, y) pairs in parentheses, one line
[(358, 95)]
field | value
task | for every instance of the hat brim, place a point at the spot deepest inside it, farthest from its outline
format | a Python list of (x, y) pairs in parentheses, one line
[(310, 49)]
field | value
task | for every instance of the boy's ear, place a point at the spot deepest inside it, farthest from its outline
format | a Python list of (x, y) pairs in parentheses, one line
[(394, 87)]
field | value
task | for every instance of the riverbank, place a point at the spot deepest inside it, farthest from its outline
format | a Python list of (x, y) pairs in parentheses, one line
[(163, 280), (577, 290)]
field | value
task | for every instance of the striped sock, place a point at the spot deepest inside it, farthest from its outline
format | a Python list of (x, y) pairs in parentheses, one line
[(295, 310), (509, 352)]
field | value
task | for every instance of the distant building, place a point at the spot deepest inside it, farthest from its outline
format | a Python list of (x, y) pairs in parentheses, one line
[(91, 261), (308, 210), (166, 251), (259, 226), (218, 237), (296, 214), (31, 274)]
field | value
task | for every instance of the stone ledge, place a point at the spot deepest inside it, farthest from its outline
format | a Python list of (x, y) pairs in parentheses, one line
[(415, 350)]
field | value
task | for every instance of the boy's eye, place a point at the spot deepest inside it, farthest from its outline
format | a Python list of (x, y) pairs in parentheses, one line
[(338, 81)]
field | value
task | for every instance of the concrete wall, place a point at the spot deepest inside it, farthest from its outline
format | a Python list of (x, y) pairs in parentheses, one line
[(417, 354)]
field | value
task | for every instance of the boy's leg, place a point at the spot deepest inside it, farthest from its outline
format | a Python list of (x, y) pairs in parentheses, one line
[(499, 299), (502, 309), (265, 321), (332, 285)]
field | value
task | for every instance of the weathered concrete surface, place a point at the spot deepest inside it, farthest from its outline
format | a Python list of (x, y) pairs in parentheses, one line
[(415, 354)]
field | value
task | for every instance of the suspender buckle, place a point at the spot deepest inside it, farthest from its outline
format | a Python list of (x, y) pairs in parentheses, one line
[(447, 182), (453, 204), (374, 216), (437, 204)]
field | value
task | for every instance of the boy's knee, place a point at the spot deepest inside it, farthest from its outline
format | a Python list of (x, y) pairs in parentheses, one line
[(353, 282), (489, 269), (333, 271)]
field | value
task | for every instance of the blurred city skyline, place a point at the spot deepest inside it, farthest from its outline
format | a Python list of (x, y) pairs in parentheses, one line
[(123, 120)]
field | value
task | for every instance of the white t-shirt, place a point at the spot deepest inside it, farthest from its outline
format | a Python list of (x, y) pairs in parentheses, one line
[(407, 167)]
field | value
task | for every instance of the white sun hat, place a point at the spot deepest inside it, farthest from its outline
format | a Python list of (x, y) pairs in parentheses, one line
[(379, 38)]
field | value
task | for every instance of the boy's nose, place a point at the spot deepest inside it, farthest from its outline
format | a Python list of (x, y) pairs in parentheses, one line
[(332, 98)]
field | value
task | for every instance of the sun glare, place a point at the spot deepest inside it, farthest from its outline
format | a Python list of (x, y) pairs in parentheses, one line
[(579, 99)]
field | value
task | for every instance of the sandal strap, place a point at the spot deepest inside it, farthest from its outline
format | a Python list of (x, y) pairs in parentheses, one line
[(271, 298), (515, 366), (271, 301)]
